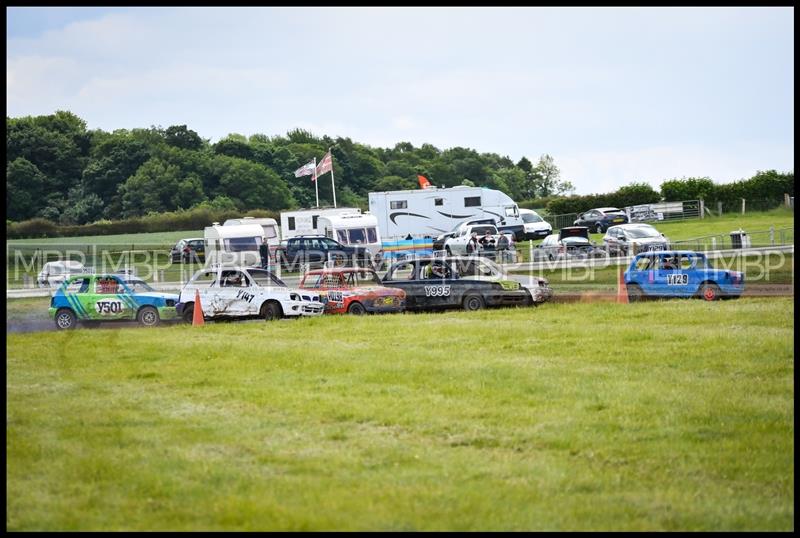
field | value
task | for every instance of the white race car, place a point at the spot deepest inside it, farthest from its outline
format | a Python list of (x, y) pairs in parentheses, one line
[(245, 292)]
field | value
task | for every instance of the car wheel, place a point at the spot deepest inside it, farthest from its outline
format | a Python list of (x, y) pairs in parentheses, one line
[(709, 291), (188, 314), (148, 316), (65, 319), (356, 309), (635, 293), (271, 311), (473, 302), (598, 229)]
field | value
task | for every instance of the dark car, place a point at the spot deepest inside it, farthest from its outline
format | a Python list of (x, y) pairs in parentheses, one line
[(317, 250), (571, 242), (680, 273), (600, 219), (187, 250), (464, 282)]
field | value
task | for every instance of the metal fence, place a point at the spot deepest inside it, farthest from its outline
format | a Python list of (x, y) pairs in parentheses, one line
[(745, 205), (761, 238), (659, 212)]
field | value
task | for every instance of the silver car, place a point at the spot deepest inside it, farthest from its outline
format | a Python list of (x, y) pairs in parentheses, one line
[(630, 239)]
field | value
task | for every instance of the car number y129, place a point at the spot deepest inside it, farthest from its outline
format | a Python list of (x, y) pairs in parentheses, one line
[(437, 291), (677, 279)]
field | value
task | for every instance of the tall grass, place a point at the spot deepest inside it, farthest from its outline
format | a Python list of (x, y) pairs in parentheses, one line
[(658, 416)]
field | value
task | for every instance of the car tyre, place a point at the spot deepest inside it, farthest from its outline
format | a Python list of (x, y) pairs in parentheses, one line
[(65, 319), (710, 291), (473, 302), (188, 313), (635, 293), (357, 309), (599, 229), (148, 316), (271, 311)]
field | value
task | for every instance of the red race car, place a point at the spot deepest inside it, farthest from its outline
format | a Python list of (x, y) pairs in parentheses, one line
[(353, 290)]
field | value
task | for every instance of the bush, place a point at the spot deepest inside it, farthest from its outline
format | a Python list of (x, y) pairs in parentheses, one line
[(629, 195)]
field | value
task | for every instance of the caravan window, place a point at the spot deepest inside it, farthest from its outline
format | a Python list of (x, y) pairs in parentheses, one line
[(372, 235), (314, 221), (242, 244), (269, 231), (398, 204), (291, 223), (357, 235), (511, 211), (342, 236), (438, 201), (472, 201)]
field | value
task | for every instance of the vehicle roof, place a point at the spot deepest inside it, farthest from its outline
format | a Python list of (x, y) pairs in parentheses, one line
[(65, 263), (351, 218), (604, 209), (236, 230), (633, 225)]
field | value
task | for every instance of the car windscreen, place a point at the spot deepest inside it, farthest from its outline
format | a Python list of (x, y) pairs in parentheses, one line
[(138, 286), (642, 233), (529, 218), (575, 241)]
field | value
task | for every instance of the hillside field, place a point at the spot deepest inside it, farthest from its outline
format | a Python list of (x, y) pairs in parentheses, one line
[(671, 415)]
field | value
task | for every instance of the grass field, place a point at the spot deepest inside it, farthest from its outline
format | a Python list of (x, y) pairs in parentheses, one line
[(155, 238), (563, 417)]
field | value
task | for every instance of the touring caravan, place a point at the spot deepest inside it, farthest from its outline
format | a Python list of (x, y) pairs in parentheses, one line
[(353, 229), (306, 221), (431, 212), (270, 227), (233, 245)]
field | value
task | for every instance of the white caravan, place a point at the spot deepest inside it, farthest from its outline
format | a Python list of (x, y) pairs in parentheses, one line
[(270, 227), (431, 212), (233, 245), (353, 229), (306, 221)]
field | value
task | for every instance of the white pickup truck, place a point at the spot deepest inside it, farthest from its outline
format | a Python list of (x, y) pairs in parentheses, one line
[(244, 292), (491, 243)]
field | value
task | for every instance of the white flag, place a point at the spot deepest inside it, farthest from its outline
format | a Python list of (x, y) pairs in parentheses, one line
[(305, 170)]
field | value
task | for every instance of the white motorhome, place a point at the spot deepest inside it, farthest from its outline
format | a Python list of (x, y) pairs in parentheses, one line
[(233, 245), (354, 229), (306, 221), (431, 212)]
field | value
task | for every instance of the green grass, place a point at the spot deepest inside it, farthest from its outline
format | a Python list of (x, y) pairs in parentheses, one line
[(563, 417), (166, 238)]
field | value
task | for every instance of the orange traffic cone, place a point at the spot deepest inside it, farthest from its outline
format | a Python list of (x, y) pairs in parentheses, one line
[(622, 290), (197, 314)]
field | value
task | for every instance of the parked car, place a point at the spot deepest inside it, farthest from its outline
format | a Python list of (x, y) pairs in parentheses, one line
[(571, 242), (317, 250), (627, 239), (187, 250), (109, 297), (53, 274), (244, 292), (491, 243), (353, 290), (600, 219), (680, 273), (535, 226), (438, 243), (464, 282)]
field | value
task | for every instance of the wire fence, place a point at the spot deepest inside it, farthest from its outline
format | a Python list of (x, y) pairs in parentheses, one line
[(733, 240)]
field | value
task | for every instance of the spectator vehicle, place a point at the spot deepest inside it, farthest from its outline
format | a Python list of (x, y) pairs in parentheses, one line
[(244, 292), (188, 250), (491, 243), (600, 219), (353, 291), (680, 273), (438, 243), (54, 274), (628, 239), (317, 250), (571, 242), (470, 283), (535, 226), (109, 297)]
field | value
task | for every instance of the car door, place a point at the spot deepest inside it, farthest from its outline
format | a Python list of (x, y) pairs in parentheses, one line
[(231, 294), (110, 300), (439, 287), (642, 272), (670, 279), (403, 275)]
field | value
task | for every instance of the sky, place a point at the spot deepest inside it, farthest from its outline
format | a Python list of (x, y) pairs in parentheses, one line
[(614, 95)]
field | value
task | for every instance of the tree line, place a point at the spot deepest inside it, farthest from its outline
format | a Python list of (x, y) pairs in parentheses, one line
[(58, 170)]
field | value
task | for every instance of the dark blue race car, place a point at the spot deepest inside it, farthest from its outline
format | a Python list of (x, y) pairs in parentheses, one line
[(680, 273)]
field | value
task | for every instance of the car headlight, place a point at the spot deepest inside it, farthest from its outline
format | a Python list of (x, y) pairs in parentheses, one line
[(294, 297)]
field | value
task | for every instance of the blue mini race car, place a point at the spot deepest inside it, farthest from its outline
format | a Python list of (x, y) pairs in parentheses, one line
[(680, 273)]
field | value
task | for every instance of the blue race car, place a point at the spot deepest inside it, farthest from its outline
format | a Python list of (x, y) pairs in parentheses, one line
[(680, 273)]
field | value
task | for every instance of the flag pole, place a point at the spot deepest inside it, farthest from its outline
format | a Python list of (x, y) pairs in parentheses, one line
[(333, 187), (316, 184)]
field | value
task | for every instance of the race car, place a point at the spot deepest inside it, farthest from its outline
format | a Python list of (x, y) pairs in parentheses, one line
[(353, 291), (464, 282), (109, 297), (680, 273), (244, 292)]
